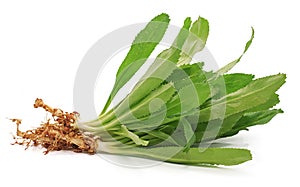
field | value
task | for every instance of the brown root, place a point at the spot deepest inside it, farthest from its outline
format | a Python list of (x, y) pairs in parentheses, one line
[(58, 133)]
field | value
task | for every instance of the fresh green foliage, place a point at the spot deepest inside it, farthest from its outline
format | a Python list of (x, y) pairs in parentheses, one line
[(195, 156), (143, 45), (177, 110)]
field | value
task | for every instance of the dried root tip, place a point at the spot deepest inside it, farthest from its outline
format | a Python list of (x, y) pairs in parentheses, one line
[(63, 118), (61, 134), (17, 121)]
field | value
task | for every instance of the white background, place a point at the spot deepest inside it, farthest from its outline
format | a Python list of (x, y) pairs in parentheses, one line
[(42, 44)]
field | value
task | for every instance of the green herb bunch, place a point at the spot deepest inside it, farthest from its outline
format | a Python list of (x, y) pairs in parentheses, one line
[(177, 110)]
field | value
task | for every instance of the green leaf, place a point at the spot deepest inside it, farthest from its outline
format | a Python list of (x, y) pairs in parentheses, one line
[(228, 123), (212, 156), (196, 40), (138, 114), (158, 98), (229, 83), (272, 101), (195, 156), (126, 133), (255, 118), (140, 50), (148, 85), (182, 35), (236, 81), (146, 122), (205, 132), (201, 29), (252, 119), (229, 66), (192, 89), (186, 73), (256, 93), (162, 67), (188, 98), (189, 134)]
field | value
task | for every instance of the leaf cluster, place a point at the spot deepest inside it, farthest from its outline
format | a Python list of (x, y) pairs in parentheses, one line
[(177, 108)]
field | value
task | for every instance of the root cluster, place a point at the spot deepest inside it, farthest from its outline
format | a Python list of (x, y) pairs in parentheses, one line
[(58, 133)]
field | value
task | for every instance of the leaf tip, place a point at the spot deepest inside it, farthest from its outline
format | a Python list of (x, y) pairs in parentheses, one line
[(245, 156), (253, 31), (162, 17), (280, 111)]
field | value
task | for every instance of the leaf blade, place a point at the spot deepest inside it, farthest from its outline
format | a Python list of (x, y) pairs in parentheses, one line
[(140, 50), (195, 156), (195, 41), (229, 66), (259, 90)]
